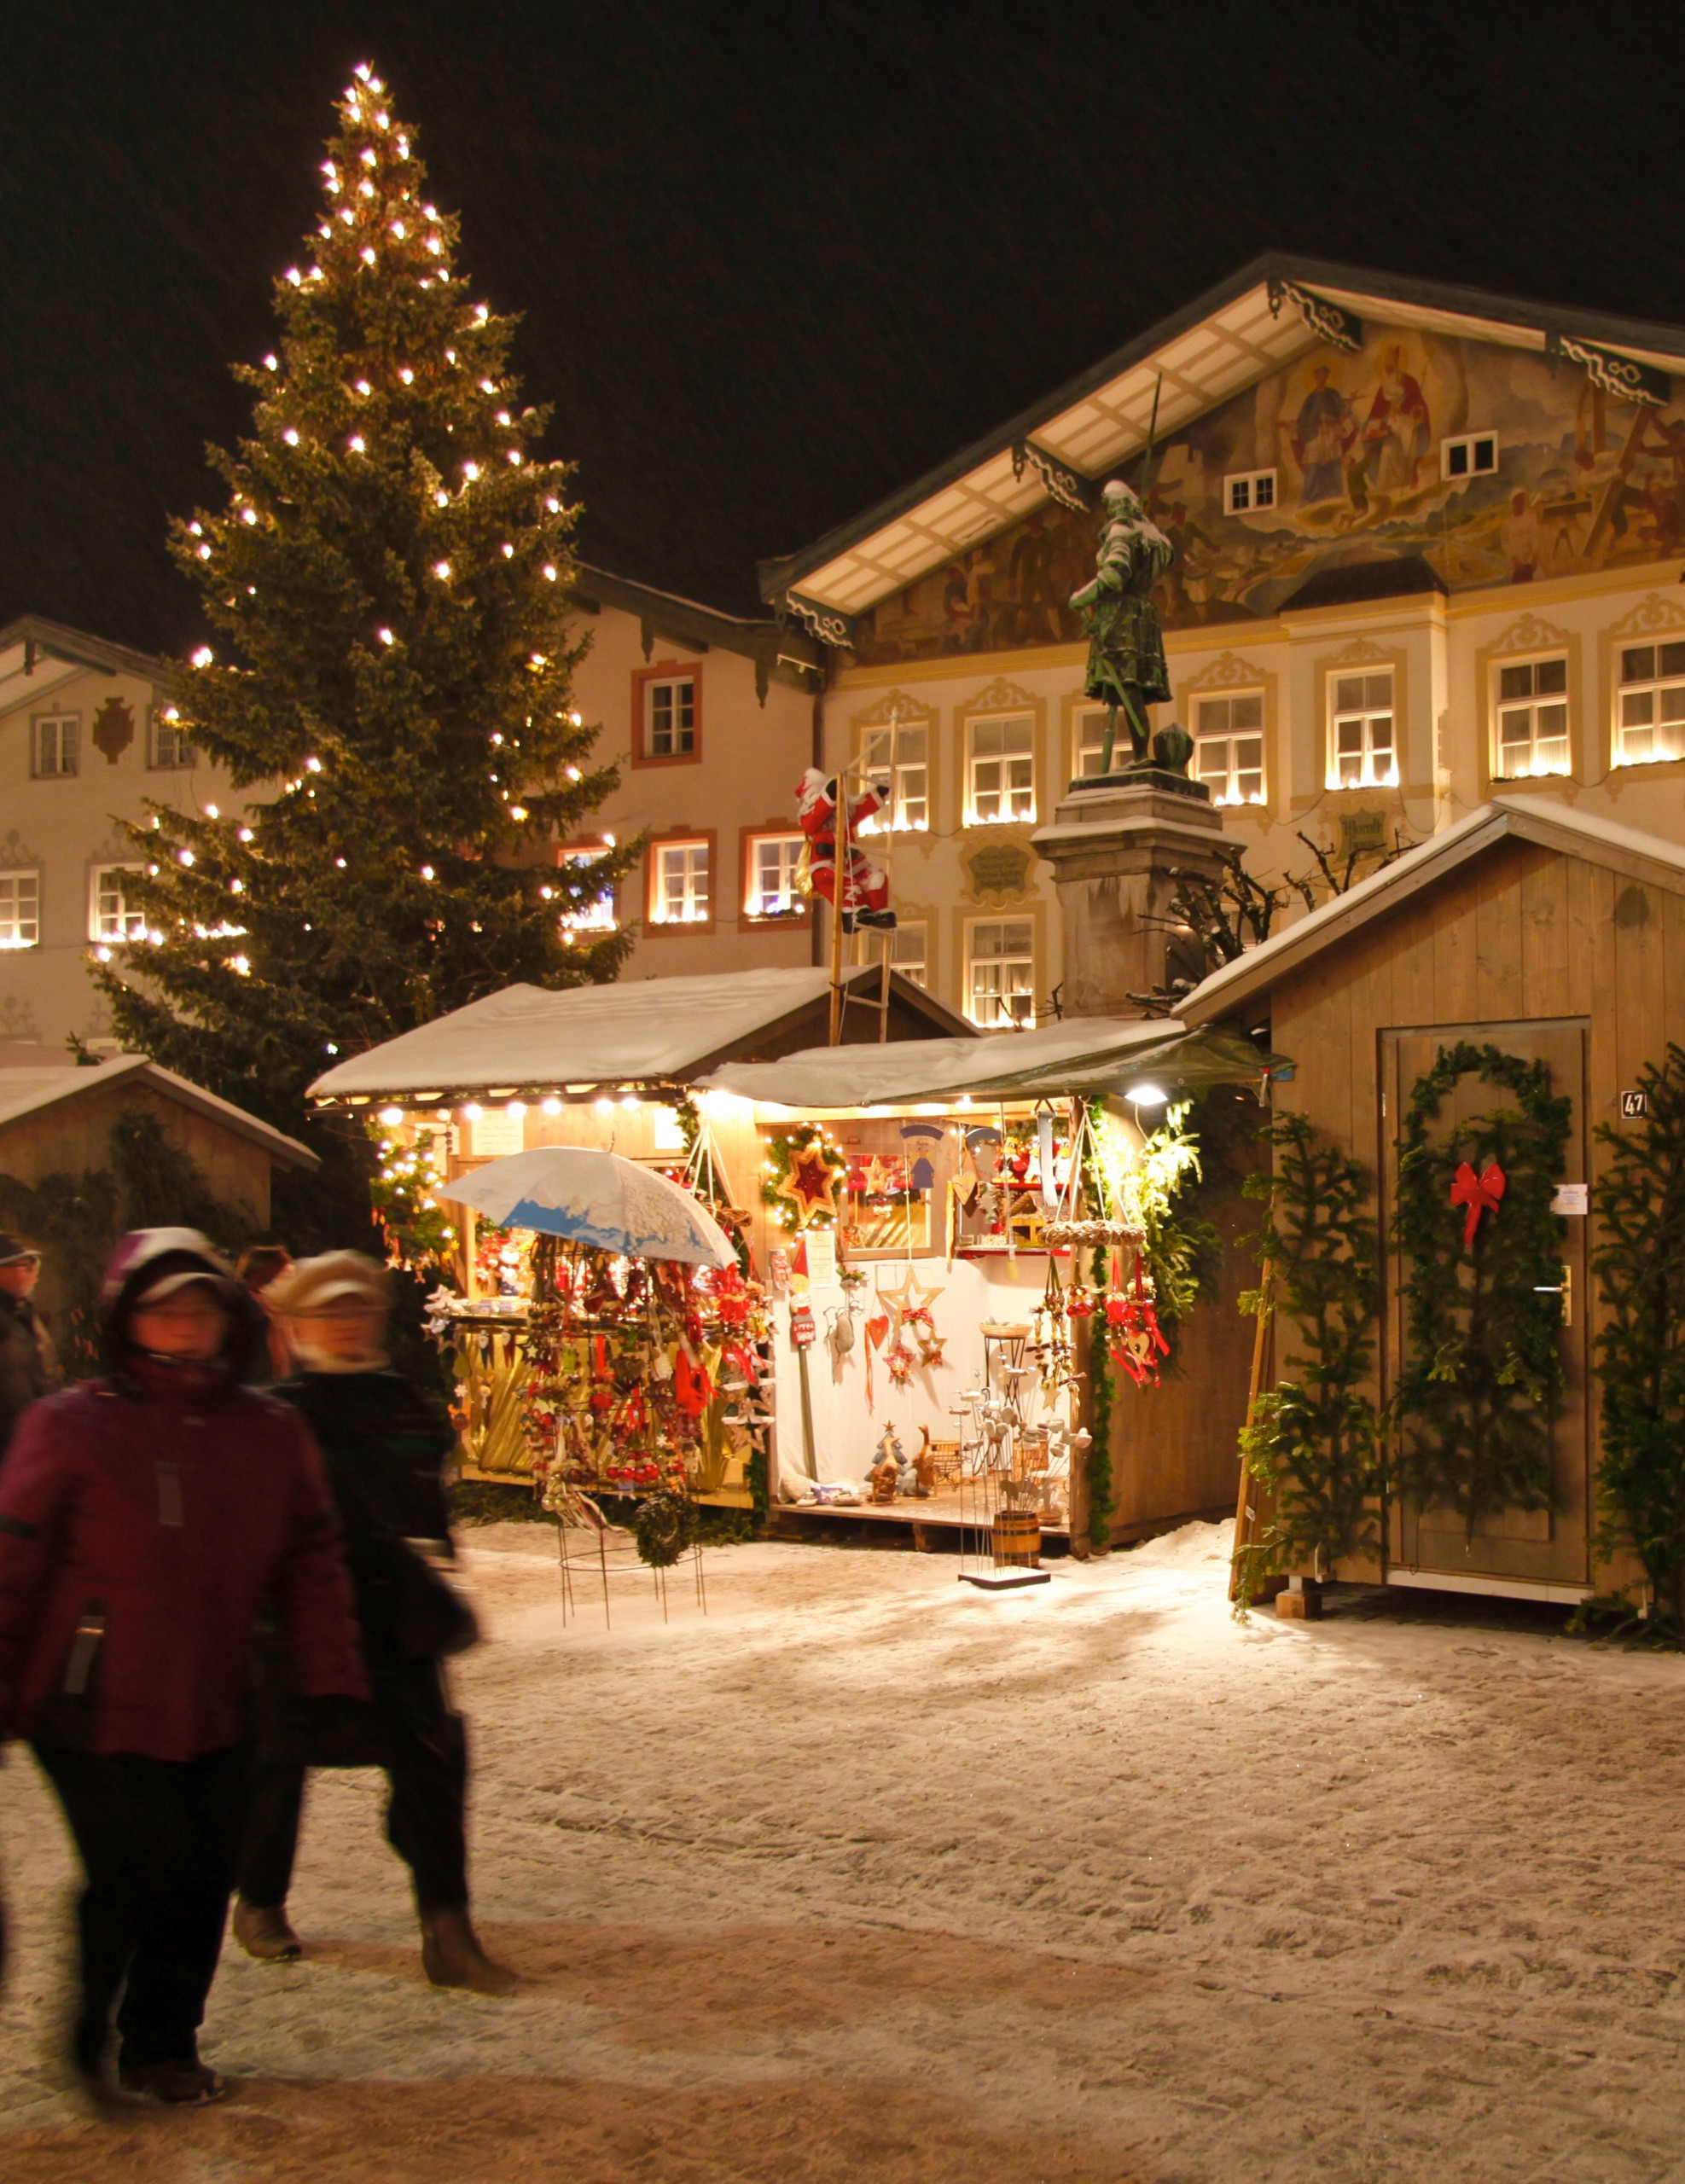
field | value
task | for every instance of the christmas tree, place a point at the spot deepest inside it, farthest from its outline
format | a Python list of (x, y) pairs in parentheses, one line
[(388, 588)]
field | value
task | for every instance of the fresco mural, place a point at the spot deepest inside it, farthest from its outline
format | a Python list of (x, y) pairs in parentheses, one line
[(1583, 481)]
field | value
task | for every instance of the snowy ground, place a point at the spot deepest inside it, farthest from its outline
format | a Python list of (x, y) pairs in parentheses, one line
[(865, 1876)]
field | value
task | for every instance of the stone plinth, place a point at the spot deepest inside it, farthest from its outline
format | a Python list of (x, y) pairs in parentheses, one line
[(1114, 845)]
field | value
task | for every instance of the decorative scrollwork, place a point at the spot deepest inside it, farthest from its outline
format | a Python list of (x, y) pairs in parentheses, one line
[(1331, 322), (825, 622), (1066, 486), (1652, 612), (1228, 671), (1530, 633), (1624, 377)]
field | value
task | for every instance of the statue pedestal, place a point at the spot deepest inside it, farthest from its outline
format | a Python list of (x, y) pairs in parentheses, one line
[(1115, 845)]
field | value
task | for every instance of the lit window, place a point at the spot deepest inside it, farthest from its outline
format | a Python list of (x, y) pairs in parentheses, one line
[(169, 747), (1474, 455), (57, 740), (1091, 742), (596, 915), (670, 718), (1651, 719), (899, 756), (909, 952), (1002, 772), (109, 914), (678, 892), (1365, 755), (1001, 974), (773, 862), (1533, 713), (20, 910), (1228, 748), (1245, 491)]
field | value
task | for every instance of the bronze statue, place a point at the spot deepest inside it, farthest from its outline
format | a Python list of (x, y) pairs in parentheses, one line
[(1127, 669)]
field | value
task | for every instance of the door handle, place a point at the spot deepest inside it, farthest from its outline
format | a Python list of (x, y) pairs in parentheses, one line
[(1564, 1289)]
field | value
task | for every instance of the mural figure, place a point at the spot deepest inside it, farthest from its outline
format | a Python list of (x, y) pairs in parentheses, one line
[(1127, 669), (1396, 433), (1031, 571), (1322, 433), (1522, 539)]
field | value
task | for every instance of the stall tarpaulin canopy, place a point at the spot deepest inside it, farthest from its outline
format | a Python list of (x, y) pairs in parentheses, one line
[(594, 1198), (1094, 1055)]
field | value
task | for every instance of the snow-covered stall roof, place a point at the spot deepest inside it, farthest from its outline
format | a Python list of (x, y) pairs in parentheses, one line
[(1649, 858), (646, 1031), (32, 1089), (1089, 1053)]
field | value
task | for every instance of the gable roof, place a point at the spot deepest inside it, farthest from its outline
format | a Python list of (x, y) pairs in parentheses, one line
[(37, 655), (34, 1088), (1647, 858), (1258, 320)]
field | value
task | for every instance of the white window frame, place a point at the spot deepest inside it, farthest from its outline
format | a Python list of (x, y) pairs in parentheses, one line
[(1005, 778), (990, 950), (599, 916), (675, 728), (1086, 717), (165, 723), (20, 907), (1250, 492), (886, 751), (909, 951), (1507, 709), (57, 735), (1666, 692), (1233, 775), (1472, 446), (688, 862), (1369, 773), (786, 901), (118, 927)]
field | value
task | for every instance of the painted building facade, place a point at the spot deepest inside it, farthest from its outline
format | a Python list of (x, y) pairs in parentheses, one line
[(1427, 543)]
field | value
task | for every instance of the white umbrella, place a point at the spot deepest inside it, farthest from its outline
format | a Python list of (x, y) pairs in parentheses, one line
[(598, 1198)]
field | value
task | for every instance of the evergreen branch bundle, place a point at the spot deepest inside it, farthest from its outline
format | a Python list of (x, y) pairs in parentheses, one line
[(1481, 1383)]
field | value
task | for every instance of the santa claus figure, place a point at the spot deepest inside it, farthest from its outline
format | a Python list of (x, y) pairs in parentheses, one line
[(865, 898)]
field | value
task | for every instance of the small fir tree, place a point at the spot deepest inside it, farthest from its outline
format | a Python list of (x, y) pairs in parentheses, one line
[(388, 585)]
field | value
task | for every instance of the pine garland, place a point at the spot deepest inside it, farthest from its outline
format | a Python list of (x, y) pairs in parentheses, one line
[(1639, 1262), (1098, 1464), (783, 1149), (1314, 1441), (1481, 1381)]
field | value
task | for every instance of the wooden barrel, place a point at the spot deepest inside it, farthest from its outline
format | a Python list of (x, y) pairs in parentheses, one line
[(1017, 1538)]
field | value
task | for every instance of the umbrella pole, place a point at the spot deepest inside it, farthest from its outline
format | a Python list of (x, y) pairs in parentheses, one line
[(838, 896), (808, 1455)]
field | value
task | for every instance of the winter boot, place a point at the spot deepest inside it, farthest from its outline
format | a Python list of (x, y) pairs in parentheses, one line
[(452, 1955), (185, 2083), (262, 1931)]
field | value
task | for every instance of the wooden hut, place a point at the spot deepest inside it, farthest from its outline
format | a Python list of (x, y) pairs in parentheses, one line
[(1554, 938)]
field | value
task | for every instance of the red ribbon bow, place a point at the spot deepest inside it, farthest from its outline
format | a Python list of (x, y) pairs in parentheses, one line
[(1480, 1193)]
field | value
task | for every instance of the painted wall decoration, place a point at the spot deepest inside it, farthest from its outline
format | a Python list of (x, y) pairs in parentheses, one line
[(1583, 481)]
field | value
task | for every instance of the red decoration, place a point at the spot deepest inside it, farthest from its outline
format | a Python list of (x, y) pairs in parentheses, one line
[(1135, 1340), (1480, 1193), (802, 1328)]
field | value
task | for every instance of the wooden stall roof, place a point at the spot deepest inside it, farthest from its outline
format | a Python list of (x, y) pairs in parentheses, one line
[(1245, 985), (31, 1090)]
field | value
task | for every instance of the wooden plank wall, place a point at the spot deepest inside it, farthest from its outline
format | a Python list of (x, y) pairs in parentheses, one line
[(1522, 934), (77, 1136)]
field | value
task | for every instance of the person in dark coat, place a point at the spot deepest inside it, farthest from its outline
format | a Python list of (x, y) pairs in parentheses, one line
[(384, 1450), (145, 1518), (29, 1364)]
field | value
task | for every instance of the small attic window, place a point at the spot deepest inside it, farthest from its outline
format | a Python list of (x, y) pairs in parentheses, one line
[(1475, 455), (1245, 491)]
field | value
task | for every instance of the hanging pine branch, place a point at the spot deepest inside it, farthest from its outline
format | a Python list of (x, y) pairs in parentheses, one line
[(391, 677), (1481, 1383), (1639, 1262), (1314, 1442)]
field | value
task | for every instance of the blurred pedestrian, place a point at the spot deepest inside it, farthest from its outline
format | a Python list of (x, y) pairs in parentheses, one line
[(29, 1364), (260, 1268), (144, 1517), (384, 1450)]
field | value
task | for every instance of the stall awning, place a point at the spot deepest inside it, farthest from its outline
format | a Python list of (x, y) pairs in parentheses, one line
[(645, 1031), (1093, 1055)]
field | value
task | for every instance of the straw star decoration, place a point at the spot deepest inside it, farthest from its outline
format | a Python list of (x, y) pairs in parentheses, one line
[(810, 1185)]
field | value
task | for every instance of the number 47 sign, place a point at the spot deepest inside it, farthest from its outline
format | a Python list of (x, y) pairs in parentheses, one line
[(1634, 1105)]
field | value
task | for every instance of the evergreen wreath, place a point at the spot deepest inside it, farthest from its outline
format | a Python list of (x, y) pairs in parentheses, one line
[(1313, 1440), (784, 1147), (1640, 1264), (1482, 1381), (665, 1525)]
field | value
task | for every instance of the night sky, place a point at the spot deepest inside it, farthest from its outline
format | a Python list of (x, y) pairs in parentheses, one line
[(774, 262)]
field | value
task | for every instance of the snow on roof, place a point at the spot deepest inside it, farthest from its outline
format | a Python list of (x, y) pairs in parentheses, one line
[(646, 1031), (1539, 819), (32, 1087), (920, 1069)]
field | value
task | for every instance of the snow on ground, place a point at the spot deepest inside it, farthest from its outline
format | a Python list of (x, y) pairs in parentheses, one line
[(865, 1875)]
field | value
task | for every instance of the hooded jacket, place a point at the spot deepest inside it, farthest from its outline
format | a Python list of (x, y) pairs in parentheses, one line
[(29, 1364), (144, 1517)]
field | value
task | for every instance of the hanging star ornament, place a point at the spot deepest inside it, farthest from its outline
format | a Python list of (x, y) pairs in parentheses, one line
[(810, 1185), (913, 1295)]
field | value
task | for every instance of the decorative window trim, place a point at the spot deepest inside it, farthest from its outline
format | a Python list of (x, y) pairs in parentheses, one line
[(664, 671), (1655, 619), (60, 721), (672, 838), (95, 873), (1537, 640), (1482, 454), (969, 727), (1200, 698), (999, 700), (1251, 492), (800, 916), (1364, 657), (1030, 916), (159, 722), (14, 919), (1230, 676), (898, 709)]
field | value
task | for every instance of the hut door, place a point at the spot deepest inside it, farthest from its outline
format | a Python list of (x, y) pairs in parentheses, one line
[(1548, 1547)]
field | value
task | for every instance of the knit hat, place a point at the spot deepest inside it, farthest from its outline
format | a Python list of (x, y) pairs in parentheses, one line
[(13, 1251)]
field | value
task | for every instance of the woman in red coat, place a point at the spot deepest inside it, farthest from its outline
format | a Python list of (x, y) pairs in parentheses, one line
[(144, 1518)]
